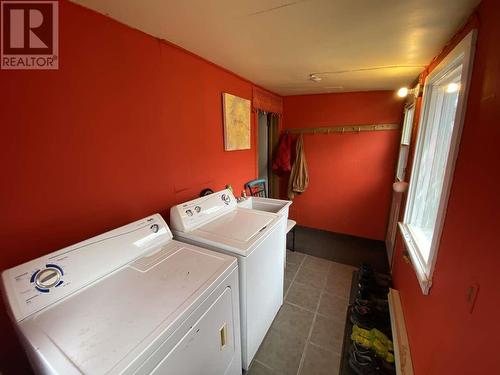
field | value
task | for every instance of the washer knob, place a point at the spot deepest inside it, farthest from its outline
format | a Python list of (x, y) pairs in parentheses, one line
[(48, 278), (197, 209), (189, 212), (226, 198)]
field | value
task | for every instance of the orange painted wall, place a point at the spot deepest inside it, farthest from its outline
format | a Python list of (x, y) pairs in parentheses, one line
[(444, 337), (350, 174), (128, 126)]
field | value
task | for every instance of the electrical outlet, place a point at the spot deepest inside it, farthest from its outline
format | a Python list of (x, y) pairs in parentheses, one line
[(472, 296)]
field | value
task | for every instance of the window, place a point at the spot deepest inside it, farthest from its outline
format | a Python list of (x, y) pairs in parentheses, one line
[(405, 142), (441, 120)]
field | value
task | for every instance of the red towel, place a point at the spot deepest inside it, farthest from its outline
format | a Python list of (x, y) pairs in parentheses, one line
[(282, 161)]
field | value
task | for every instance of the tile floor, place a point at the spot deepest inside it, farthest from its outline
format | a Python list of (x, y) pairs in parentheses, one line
[(306, 336)]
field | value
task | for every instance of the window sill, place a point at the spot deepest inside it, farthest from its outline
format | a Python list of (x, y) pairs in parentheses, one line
[(423, 278)]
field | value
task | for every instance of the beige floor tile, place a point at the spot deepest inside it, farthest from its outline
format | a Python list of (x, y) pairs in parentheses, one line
[(328, 333), (342, 269), (259, 369), (339, 283), (318, 264), (311, 276), (286, 285), (294, 257), (291, 270), (333, 306), (293, 320), (304, 295), (320, 362), (281, 351)]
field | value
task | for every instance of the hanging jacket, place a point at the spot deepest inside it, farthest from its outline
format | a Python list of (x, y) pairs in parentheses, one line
[(299, 177), (282, 161)]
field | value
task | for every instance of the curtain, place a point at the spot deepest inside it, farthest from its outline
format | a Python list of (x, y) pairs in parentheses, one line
[(272, 105), (273, 131)]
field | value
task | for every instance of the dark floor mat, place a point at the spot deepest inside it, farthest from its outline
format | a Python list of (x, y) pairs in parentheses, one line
[(341, 248)]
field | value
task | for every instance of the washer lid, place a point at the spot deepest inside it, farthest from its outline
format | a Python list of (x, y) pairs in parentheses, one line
[(117, 322), (239, 225), (238, 231)]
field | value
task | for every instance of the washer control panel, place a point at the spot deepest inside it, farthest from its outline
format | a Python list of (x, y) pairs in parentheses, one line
[(47, 278), (37, 284), (194, 213)]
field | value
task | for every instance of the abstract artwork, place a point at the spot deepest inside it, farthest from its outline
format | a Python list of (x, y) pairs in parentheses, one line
[(236, 122)]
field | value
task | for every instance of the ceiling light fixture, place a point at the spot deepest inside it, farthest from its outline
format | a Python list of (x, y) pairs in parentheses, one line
[(403, 92)]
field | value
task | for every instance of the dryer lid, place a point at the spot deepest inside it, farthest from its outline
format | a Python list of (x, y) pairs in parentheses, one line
[(110, 325)]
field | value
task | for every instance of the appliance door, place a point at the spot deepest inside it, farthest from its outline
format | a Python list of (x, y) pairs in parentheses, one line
[(208, 347)]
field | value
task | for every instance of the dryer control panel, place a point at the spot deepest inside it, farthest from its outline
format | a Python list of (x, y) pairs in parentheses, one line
[(192, 214), (41, 282)]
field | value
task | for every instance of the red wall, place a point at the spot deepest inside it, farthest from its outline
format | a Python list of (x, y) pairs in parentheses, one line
[(444, 337), (350, 174), (128, 126)]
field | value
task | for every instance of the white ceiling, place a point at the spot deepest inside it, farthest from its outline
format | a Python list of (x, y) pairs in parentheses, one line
[(279, 43)]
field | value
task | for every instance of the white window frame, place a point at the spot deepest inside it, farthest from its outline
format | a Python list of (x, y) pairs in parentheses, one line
[(462, 54), (404, 146)]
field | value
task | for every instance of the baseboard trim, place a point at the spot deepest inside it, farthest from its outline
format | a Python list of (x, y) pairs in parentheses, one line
[(402, 354)]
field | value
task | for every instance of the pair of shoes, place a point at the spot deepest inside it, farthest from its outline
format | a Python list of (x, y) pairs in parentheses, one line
[(367, 365), (372, 291), (377, 304), (369, 318), (365, 361), (362, 365), (373, 340), (368, 274), (372, 282)]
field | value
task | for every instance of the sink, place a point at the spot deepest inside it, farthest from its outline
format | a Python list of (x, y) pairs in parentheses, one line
[(276, 206)]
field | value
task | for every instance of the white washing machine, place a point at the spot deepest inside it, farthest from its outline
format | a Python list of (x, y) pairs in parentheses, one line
[(257, 239), (130, 301)]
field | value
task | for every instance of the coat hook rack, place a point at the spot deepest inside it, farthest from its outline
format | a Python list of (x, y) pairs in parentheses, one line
[(344, 129)]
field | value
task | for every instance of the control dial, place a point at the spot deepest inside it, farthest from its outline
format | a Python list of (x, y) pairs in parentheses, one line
[(48, 278), (226, 198)]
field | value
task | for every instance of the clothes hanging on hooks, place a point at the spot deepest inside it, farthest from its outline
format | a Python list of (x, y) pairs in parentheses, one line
[(282, 161), (299, 176)]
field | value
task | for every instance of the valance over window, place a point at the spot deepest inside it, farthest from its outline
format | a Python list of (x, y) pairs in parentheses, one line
[(265, 101)]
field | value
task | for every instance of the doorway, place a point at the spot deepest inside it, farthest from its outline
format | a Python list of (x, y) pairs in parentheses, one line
[(263, 149), (267, 145)]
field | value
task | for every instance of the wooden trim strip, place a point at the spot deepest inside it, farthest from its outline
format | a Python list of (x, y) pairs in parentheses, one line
[(404, 365), (344, 129)]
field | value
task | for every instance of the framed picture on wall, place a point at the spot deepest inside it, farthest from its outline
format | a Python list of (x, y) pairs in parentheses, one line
[(236, 122)]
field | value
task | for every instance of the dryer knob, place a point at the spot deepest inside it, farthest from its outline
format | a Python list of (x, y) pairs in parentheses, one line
[(48, 278)]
